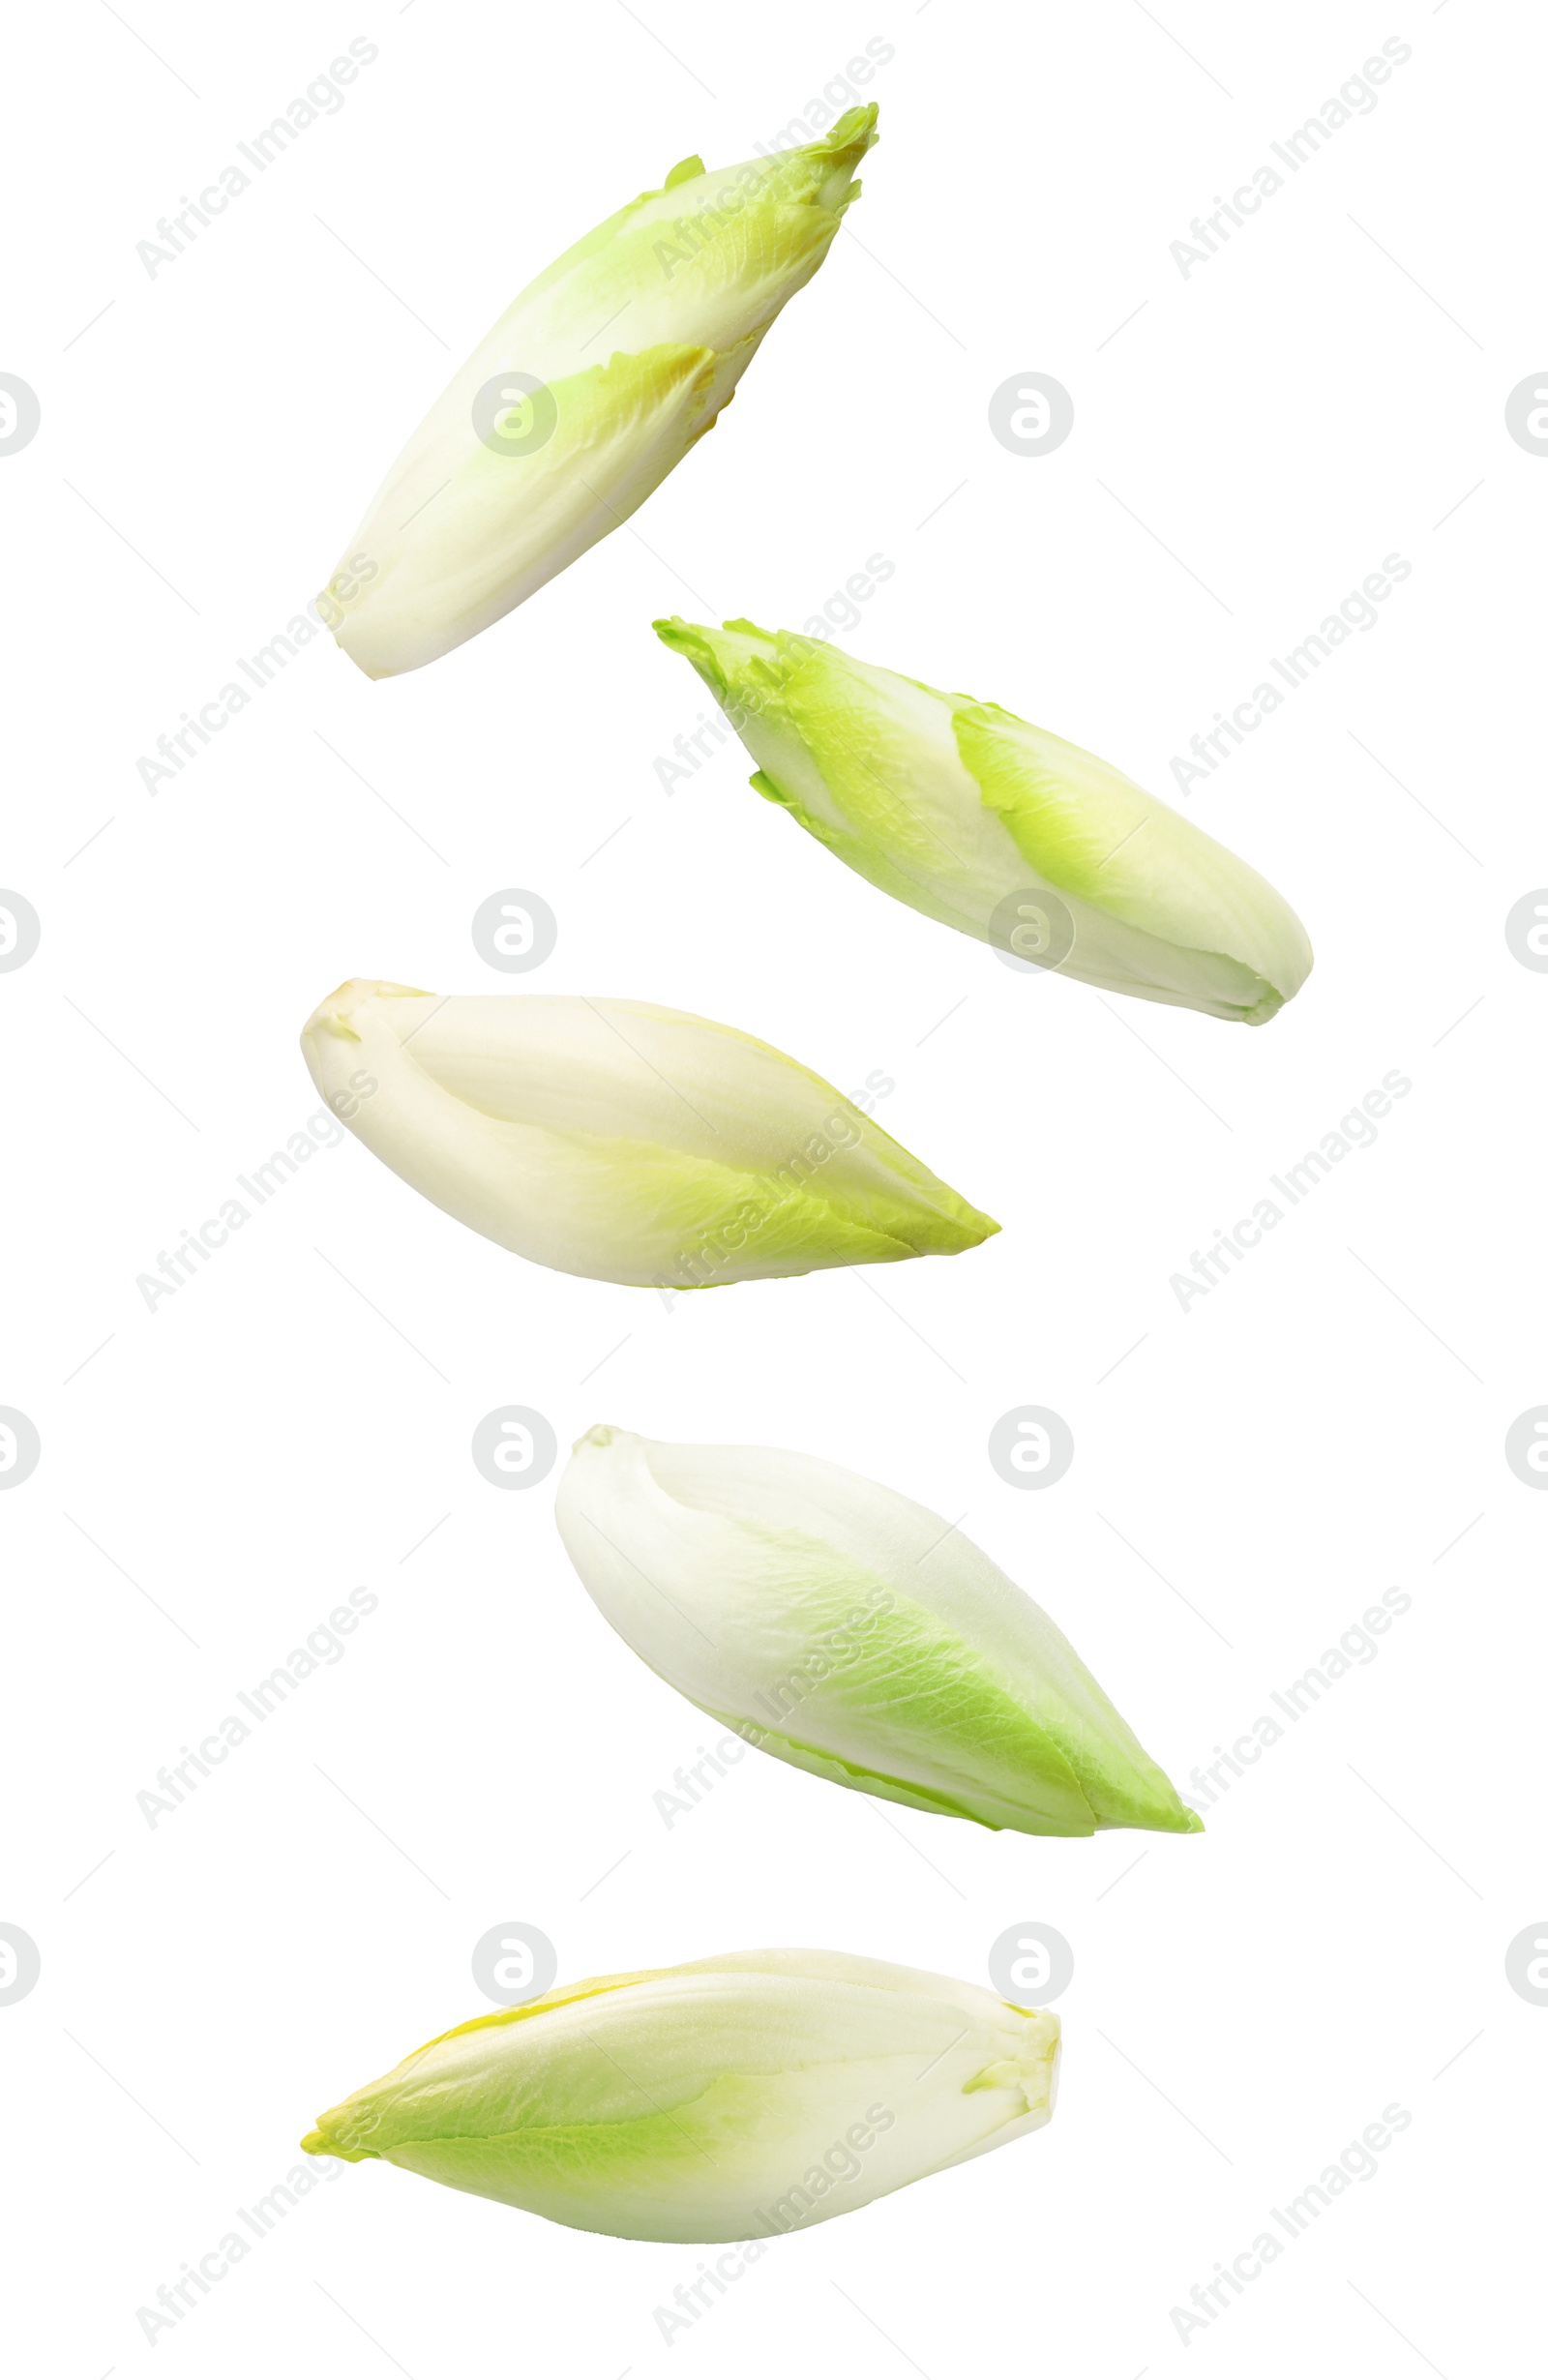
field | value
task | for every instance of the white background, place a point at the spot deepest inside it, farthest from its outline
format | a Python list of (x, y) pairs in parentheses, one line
[(1249, 1474)]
